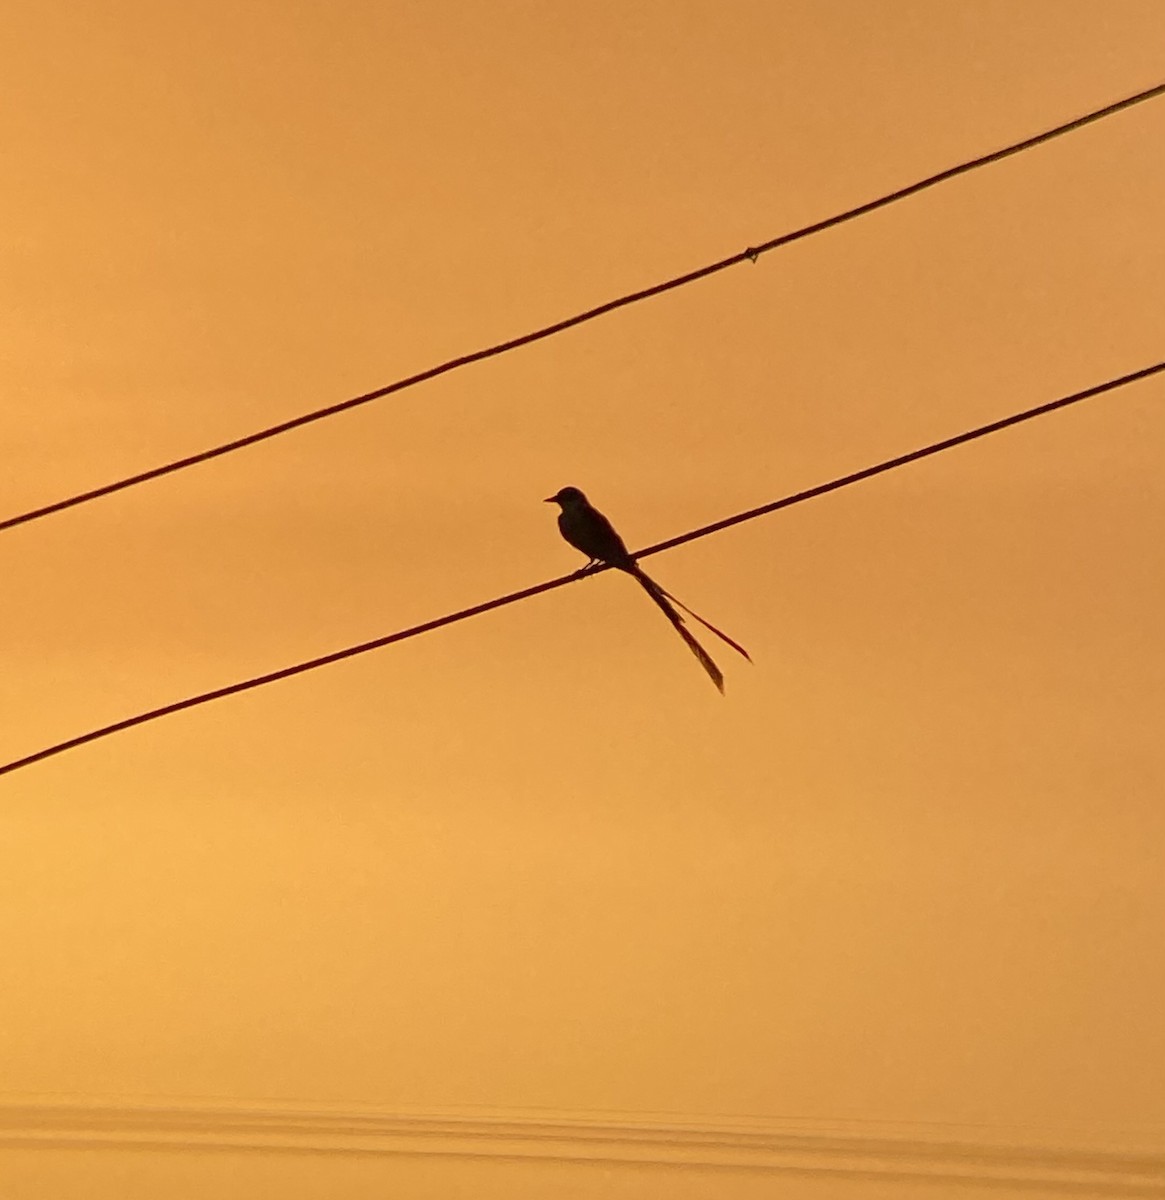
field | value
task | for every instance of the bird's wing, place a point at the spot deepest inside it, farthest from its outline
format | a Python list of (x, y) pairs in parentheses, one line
[(586, 529)]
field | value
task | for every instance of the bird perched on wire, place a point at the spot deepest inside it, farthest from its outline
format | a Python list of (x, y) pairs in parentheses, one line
[(586, 529)]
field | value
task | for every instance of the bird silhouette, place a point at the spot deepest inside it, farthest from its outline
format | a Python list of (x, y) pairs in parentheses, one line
[(586, 529)]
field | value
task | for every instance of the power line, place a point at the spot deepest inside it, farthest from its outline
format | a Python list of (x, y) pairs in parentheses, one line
[(750, 254), (464, 614), (1060, 1161)]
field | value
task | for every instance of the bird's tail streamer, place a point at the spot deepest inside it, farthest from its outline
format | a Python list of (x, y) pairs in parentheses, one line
[(661, 598), (707, 624)]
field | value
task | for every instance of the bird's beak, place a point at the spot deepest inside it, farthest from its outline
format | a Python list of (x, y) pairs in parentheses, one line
[(549, 500)]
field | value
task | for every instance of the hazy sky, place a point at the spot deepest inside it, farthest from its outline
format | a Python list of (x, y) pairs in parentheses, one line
[(908, 870)]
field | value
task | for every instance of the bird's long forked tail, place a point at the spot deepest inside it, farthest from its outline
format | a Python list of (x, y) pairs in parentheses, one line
[(707, 624), (662, 599)]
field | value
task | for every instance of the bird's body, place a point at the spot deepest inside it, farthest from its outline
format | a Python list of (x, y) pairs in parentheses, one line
[(587, 530)]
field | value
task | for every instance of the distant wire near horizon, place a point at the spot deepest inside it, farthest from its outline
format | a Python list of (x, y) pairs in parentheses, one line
[(749, 254), (464, 614), (1053, 1160)]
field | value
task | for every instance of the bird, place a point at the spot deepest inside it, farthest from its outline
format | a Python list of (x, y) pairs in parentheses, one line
[(586, 529)]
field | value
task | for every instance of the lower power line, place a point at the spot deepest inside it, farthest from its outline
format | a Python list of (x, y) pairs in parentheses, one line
[(464, 614)]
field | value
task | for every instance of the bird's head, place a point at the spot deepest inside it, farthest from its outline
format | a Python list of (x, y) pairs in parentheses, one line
[(567, 497)]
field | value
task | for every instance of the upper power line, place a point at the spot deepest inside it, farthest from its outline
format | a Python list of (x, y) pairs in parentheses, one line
[(750, 254), (464, 614)]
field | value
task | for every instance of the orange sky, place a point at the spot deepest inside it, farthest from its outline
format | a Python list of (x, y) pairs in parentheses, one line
[(908, 870)]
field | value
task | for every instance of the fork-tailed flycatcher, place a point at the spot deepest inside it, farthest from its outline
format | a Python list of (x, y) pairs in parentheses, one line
[(586, 529)]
